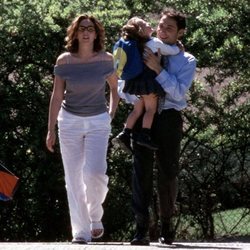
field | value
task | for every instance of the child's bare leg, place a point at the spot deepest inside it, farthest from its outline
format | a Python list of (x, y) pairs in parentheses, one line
[(135, 114), (150, 103), (144, 138)]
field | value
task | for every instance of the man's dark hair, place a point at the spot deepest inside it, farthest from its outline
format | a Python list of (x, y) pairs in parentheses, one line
[(179, 17)]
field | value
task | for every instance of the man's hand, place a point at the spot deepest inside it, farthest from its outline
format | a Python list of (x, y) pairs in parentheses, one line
[(180, 45), (152, 61)]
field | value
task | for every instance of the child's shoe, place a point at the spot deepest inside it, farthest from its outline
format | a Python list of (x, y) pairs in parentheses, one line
[(124, 141)]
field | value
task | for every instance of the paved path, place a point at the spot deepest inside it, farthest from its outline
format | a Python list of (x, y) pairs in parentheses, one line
[(124, 246)]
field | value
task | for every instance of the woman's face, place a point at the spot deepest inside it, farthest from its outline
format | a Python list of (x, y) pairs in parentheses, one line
[(86, 31)]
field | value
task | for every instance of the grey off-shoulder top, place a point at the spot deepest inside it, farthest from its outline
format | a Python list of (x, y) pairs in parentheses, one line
[(85, 86)]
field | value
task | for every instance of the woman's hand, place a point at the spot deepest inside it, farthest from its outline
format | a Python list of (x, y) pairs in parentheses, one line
[(152, 61), (51, 140), (111, 114)]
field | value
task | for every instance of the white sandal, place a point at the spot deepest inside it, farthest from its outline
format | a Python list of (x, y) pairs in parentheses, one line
[(96, 226)]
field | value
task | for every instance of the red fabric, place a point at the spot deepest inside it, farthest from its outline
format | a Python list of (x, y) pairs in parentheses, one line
[(8, 183)]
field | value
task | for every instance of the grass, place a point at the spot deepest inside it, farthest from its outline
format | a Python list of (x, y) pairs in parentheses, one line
[(233, 222), (229, 223)]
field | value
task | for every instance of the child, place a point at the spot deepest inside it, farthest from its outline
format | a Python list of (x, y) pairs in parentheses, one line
[(139, 79)]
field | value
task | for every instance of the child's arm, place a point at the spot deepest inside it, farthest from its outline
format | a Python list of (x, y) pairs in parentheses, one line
[(120, 60), (154, 44)]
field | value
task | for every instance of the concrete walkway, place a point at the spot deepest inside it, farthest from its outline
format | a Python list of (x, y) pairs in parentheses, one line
[(124, 246)]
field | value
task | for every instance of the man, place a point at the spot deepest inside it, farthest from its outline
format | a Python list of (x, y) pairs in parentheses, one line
[(175, 75)]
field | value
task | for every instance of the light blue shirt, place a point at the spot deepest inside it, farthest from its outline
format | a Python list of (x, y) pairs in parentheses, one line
[(176, 79)]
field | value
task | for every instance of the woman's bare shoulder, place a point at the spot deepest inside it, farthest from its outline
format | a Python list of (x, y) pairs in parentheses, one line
[(63, 58), (107, 56)]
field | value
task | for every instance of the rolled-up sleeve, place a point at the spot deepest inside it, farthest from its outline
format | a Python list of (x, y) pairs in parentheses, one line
[(177, 85)]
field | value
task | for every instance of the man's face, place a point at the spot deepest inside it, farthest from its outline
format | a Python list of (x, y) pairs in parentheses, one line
[(167, 30)]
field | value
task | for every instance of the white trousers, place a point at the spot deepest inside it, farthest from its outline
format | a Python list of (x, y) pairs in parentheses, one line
[(83, 145)]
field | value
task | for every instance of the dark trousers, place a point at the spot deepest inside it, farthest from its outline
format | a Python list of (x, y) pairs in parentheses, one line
[(167, 133)]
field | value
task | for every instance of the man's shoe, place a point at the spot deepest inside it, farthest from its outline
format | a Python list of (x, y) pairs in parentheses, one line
[(145, 140), (167, 234), (124, 141), (140, 241)]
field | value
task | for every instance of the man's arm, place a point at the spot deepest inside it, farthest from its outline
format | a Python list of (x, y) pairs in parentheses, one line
[(174, 85), (178, 85), (152, 61)]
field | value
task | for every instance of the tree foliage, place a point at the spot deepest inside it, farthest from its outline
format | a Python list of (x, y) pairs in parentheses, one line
[(216, 142)]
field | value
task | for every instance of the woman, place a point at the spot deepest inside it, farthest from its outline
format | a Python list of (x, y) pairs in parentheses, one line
[(78, 104)]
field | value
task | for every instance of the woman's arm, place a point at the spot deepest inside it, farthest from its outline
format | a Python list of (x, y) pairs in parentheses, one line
[(114, 97), (54, 107)]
